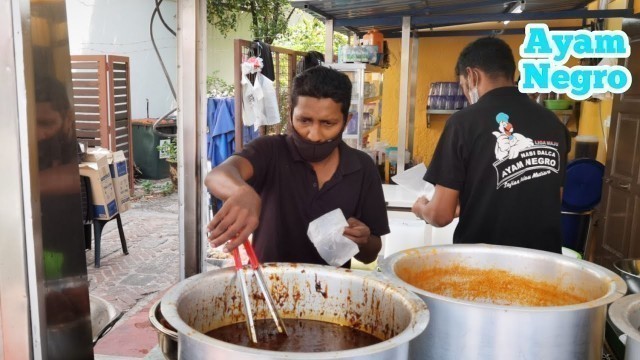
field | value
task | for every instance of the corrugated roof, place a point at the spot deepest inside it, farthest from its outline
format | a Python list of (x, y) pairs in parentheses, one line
[(386, 15)]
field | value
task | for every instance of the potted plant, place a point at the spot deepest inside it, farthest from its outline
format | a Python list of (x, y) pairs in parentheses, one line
[(169, 151)]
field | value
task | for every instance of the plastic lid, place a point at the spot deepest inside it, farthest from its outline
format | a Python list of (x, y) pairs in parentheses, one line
[(582, 185)]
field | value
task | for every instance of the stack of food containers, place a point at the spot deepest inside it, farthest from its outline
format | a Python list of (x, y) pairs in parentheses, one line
[(446, 96)]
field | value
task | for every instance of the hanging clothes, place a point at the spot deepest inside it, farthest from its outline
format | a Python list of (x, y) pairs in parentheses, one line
[(249, 133), (221, 129), (259, 99), (221, 132), (263, 51)]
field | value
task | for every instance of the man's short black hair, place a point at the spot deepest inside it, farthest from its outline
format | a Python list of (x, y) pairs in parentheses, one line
[(321, 82), (489, 54)]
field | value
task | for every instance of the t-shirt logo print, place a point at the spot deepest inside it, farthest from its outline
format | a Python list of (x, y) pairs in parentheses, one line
[(518, 159)]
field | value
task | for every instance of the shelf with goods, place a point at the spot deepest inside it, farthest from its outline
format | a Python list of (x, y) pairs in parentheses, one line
[(366, 101), (445, 98)]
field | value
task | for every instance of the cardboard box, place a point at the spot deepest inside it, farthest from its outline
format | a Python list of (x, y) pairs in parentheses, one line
[(119, 174), (120, 177), (103, 197)]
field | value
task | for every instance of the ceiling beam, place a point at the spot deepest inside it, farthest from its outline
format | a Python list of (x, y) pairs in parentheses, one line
[(318, 12), (485, 32), (426, 21), (435, 10)]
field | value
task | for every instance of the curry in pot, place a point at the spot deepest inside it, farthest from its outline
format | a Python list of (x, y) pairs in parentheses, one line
[(304, 336), (494, 286)]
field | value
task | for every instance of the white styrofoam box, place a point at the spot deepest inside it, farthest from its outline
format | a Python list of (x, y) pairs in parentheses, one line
[(407, 232)]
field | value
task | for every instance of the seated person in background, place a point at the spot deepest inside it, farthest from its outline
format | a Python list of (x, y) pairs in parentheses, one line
[(278, 184)]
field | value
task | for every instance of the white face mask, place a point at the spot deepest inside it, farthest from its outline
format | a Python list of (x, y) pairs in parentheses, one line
[(473, 95), (473, 92)]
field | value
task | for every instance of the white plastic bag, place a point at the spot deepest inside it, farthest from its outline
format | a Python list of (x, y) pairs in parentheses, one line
[(269, 103), (326, 232), (412, 180)]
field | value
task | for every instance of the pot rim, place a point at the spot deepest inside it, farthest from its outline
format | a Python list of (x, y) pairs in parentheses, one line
[(618, 265), (418, 323), (157, 324), (619, 314), (617, 286)]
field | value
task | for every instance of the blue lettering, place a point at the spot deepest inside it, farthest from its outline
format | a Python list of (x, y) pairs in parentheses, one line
[(563, 44), (582, 45), (536, 41), (599, 75), (560, 80), (580, 83), (617, 79), (535, 74), (610, 44)]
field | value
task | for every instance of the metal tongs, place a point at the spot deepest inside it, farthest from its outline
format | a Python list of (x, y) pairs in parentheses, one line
[(257, 270)]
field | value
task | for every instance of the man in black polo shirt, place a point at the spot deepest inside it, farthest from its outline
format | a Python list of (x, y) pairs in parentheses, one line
[(502, 159), (278, 184)]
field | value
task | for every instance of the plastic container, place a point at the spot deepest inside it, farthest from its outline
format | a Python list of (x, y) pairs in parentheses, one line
[(557, 104), (374, 37), (586, 146), (145, 147)]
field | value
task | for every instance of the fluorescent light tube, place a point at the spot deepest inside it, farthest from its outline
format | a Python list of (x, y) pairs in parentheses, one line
[(517, 8)]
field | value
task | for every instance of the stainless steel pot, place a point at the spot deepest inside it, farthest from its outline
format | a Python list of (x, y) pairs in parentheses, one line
[(625, 315), (629, 269), (353, 298), (102, 316), (460, 329), (167, 338)]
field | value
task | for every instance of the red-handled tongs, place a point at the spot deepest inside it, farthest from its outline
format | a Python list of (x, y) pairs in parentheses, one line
[(257, 270)]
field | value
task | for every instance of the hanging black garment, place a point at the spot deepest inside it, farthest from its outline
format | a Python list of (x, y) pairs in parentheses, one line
[(263, 50)]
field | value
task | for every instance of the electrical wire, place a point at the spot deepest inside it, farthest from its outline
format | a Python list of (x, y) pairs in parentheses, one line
[(155, 47), (158, 2), (604, 137), (164, 68)]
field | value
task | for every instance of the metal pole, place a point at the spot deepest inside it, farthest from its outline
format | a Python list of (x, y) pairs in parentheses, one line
[(404, 87), (43, 171), (191, 118), (413, 85), (328, 42), (15, 329)]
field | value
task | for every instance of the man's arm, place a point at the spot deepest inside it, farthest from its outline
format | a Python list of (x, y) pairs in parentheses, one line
[(442, 208), (240, 213)]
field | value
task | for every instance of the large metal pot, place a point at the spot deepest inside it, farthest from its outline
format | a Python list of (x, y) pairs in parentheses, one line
[(625, 315), (629, 269), (167, 337), (461, 329), (353, 298)]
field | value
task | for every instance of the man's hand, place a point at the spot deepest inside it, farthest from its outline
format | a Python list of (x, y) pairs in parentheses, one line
[(369, 245), (357, 231), (419, 207), (236, 220)]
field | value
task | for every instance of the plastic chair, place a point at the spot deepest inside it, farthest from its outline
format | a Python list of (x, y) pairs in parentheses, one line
[(98, 225)]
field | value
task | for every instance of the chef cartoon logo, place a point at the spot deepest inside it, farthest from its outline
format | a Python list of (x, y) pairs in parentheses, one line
[(518, 158)]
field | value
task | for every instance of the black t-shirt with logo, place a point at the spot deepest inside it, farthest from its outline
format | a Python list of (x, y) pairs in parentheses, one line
[(288, 187), (506, 155)]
